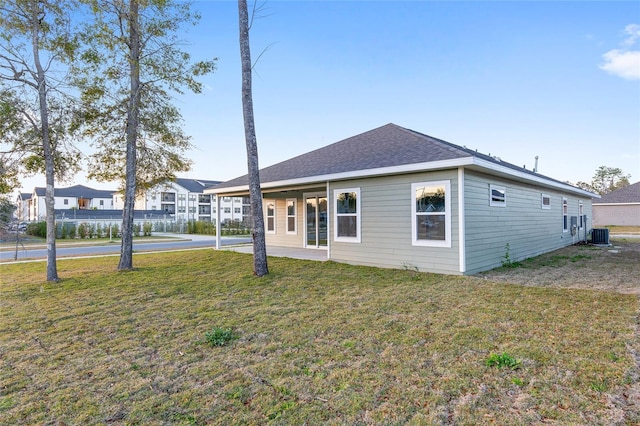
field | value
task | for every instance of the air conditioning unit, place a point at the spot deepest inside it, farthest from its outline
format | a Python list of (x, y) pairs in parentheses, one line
[(600, 236)]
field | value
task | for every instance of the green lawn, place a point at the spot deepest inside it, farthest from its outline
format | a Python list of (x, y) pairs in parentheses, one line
[(317, 343)]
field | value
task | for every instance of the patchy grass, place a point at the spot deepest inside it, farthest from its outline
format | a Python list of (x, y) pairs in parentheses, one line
[(317, 343), (613, 229)]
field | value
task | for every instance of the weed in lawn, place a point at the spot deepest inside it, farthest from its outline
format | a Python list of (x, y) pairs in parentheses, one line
[(503, 360), (598, 386), (219, 336), (507, 262), (517, 381)]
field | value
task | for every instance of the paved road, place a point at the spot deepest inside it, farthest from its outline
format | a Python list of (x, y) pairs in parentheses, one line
[(181, 242)]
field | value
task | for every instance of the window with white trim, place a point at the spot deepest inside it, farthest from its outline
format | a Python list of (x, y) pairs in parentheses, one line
[(271, 217), (565, 215), (581, 212), (347, 214), (291, 216), (497, 196), (545, 201), (431, 211)]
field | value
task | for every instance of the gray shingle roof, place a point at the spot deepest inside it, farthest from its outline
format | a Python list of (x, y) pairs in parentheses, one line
[(195, 185), (79, 191), (386, 146), (628, 194)]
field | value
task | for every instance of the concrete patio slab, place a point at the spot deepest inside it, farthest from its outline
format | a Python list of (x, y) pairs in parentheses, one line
[(294, 253)]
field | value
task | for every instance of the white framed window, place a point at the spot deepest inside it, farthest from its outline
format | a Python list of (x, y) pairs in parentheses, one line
[(236, 210), (291, 216), (66, 201), (271, 217), (347, 214), (581, 215), (545, 202), (565, 215), (227, 210), (431, 213), (497, 196)]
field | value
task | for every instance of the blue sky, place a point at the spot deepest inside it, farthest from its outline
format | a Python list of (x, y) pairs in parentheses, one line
[(560, 80)]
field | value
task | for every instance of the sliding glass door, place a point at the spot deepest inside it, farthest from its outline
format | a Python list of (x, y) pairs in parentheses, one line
[(316, 221)]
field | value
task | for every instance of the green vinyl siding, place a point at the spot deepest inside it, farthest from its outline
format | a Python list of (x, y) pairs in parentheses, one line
[(529, 229), (386, 215)]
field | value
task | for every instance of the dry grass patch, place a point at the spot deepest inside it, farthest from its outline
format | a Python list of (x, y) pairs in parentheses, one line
[(317, 343)]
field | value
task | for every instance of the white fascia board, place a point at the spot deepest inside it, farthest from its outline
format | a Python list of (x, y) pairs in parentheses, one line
[(616, 204), (541, 180), (406, 168)]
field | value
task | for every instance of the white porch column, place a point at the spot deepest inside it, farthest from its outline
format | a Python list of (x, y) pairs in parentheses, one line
[(217, 202)]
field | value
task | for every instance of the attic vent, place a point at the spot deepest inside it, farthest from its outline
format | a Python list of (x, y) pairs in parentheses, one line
[(600, 236)]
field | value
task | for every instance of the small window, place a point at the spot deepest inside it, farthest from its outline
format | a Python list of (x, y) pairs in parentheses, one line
[(227, 209), (347, 214), (236, 210), (581, 212), (271, 217), (291, 216), (213, 209), (497, 196), (546, 202), (102, 202), (431, 207), (66, 201), (565, 215)]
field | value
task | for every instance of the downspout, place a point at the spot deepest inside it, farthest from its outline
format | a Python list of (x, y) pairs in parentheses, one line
[(461, 222)]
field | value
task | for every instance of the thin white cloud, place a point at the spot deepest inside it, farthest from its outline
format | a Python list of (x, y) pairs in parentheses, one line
[(624, 62), (633, 31)]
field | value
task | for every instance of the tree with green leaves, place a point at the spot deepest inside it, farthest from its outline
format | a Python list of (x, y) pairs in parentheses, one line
[(605, 180), (260, 267), (34, 111), (131, 65)]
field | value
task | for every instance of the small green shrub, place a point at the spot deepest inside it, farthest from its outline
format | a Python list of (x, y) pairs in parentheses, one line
[(83, 230), (219, 336), (37, 229), (502, 360)]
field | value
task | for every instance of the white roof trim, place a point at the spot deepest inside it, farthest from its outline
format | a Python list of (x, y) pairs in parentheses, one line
[(415, 167), (542, 180), (406, 168)]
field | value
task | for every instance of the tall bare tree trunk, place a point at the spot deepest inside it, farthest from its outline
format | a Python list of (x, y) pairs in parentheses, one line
[(255, 193), (133, 112), (52, 269)]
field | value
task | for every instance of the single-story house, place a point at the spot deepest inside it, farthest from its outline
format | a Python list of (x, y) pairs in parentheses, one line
[(619, 208), (393, 197)]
